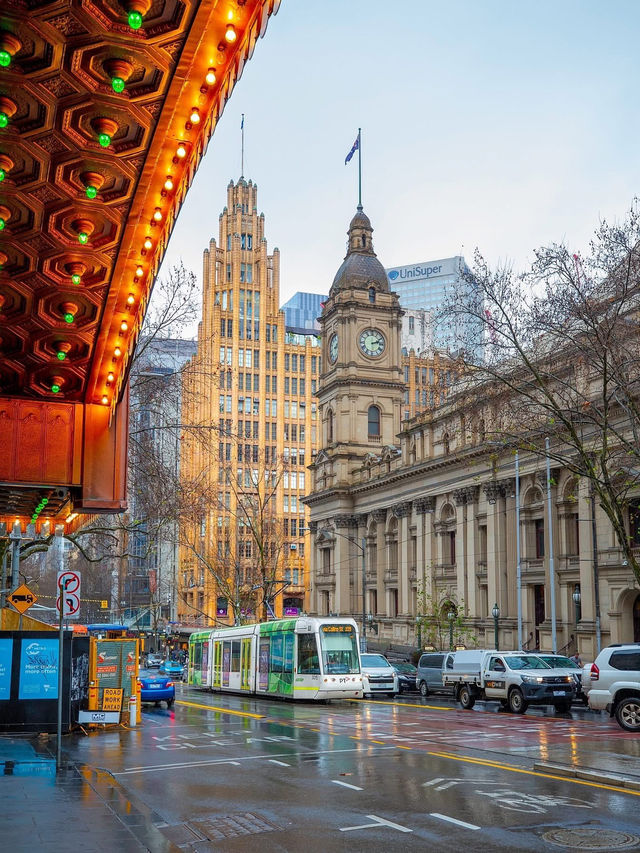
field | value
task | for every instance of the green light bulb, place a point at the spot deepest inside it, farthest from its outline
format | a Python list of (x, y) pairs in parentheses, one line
[(4, 119), (104, 139), (2, 224), (61, 355), (55, 388), (75, 278), (92, 192), (68, 318), (45, 501), (5, 58), (117, 84), (3, 174), (135, 20), (83, 237)]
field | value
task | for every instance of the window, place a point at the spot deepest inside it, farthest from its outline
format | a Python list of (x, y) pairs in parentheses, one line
[(411, 325), (452, 548), (627, 661), (373, 421), (634, 524), (329, 426), (372, 294), (538, 526)]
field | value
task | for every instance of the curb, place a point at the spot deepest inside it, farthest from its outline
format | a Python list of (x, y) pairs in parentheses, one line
[(598, 776)]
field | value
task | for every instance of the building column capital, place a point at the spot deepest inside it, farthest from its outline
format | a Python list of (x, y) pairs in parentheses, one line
[(379, 515), (423, 505), (401, 510)]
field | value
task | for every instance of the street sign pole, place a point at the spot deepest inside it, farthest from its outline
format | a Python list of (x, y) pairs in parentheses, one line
[(61, 586)]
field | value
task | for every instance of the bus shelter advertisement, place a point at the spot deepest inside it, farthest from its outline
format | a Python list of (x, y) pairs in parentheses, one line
[(39, 669)]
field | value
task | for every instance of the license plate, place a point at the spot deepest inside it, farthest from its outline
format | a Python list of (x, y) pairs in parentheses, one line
[(155, 686), (559, 692)]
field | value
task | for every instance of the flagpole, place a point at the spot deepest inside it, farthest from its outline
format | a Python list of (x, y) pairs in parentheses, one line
[(242, 147), (359, 168)]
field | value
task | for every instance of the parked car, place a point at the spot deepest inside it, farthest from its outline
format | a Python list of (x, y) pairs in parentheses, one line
[(612, 683), (154, 661), (429, 673), (172, 667), (155, 687), (565, 666), (406, 676), (378, 675)]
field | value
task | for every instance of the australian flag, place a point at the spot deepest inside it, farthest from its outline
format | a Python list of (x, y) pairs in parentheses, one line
[(354, 148)]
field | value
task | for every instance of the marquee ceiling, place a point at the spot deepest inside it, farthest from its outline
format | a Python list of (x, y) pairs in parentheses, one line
[(106, 109)]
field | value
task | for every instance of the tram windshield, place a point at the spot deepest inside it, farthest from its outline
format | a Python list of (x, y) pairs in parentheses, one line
[(339, 649)]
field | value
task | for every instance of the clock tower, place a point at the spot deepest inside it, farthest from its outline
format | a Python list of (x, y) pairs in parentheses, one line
[(362, 386)]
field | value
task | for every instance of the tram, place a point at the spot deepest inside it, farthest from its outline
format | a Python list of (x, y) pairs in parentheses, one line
[(302, 658)]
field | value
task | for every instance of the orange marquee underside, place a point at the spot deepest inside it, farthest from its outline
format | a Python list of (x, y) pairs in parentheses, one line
[(106, 109)]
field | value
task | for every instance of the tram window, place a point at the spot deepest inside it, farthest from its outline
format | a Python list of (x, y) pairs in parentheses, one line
[(339, 650), (276, 653), (235, 656), (197, 655), (308, 660)]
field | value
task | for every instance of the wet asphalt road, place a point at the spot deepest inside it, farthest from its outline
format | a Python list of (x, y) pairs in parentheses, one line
[(416, 774)]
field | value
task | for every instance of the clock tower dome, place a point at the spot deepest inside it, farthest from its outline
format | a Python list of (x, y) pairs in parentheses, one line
[(361, 387)]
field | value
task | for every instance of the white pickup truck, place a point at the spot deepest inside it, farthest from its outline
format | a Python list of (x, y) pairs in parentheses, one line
[(515, 679)]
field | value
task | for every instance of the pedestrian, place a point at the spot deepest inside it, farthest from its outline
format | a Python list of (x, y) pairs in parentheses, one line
[(576, 659)]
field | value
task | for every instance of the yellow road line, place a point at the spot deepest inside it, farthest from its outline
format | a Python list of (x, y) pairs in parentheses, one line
[(401, 704), (221, 710), (377, 741), (467, 759), (399, 746)]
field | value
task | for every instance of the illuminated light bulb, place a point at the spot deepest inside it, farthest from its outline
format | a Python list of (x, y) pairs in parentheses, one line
[(124, 326), (3, 174), (4, 119), (157, 214), (105, 400), (55, 388), (210, 76), (91, 192), (104, 139), (117, 352), (181, 151), (5, 58), (45, 501), (68, 317), (2, 224), (168, 184), (230, 34), (194, 118), (110, 376), (117, 84), (134, 20), (61, 355), (148, 243), (139, 271), (83, 237), (130, 299), (75, 278)]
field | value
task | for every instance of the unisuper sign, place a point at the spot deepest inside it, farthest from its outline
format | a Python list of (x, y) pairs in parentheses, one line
[(429, 269)]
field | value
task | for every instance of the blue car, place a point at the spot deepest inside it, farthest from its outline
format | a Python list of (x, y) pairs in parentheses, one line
[(172, 667), (156, 687)]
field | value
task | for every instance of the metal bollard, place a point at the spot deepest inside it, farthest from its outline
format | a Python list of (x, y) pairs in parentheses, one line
[(133, 711)]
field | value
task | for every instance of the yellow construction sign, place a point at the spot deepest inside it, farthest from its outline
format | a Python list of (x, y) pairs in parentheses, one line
[(22, 598)]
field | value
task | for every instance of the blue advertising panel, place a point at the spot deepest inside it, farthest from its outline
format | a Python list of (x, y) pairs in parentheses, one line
[(39, 669), (6, 653)]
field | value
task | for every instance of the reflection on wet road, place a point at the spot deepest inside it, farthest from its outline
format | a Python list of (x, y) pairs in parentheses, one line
[(386, 775)]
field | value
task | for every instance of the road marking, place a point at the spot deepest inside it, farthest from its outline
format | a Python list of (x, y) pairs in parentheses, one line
[(221, 710), (454, 820), (345, 784), (281, 763), (402, 705), (379, 821), (512, 769)]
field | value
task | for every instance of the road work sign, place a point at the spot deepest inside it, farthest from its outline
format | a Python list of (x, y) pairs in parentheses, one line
[(22, 598)]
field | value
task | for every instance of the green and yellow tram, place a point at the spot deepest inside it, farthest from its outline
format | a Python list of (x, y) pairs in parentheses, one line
[(301, 658)]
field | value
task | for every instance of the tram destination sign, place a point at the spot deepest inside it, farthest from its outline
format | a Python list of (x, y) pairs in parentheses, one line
[(337, 629)]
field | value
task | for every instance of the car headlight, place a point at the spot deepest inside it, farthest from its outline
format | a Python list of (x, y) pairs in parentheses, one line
[(532, 679)]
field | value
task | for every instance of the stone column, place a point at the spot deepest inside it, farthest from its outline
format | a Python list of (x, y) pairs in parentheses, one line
[(460, 497), (495, 545), (402, 512), (342, 565), (380, 517), (471, 586)]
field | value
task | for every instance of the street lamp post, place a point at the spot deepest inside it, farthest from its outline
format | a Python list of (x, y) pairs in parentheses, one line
[(495, 612), (362, 547), (451, 616), (576, 600), (419, 631)]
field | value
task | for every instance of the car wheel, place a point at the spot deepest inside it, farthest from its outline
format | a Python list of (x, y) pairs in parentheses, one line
[(466, 698), (562, 707), (424, 690), (170, 702), (391, 695), (517, 704), (628, 713), (157, 704)]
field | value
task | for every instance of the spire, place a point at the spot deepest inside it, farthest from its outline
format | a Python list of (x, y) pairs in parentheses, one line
[(360, 268)]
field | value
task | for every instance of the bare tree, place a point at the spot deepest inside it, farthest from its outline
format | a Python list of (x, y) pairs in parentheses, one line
[(562, 360)]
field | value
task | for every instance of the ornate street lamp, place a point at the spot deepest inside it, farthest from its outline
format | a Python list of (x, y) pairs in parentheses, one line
[(495, 612), (576, 600), (451, 615)]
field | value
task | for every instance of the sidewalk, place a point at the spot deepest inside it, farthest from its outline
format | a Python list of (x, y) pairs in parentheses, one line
[(79, 808)]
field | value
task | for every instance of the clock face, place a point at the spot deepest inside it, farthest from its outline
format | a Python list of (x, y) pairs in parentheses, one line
[(371, 342), (333, 348)]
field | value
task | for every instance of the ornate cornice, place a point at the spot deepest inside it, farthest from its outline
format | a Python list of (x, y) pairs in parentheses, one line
[(423, 505), (401, 510), (345, 520), (379, 515)]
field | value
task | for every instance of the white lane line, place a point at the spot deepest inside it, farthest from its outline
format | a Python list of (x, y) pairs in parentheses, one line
[(345, 784), (454, 820), (379, 821), (281, 763)]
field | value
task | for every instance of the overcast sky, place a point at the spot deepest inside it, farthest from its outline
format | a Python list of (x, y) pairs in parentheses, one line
[(497, 124)]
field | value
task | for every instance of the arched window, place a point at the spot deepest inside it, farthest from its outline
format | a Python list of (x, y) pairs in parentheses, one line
[(373, 421), (372, 294), (329, 426)]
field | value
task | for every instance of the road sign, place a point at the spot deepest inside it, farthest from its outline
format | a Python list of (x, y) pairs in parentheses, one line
[(71, 605), (69, 581), (22, 598), (112, 699), (104, 605)]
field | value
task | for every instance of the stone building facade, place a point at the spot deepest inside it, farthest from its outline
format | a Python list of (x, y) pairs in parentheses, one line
[(430, 505)]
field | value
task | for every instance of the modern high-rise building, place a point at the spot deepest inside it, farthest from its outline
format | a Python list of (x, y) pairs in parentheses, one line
[(250, 416), (301, 312)]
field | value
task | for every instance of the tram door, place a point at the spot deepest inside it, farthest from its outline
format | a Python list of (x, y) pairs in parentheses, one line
[(217, 663), (245, 664)]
